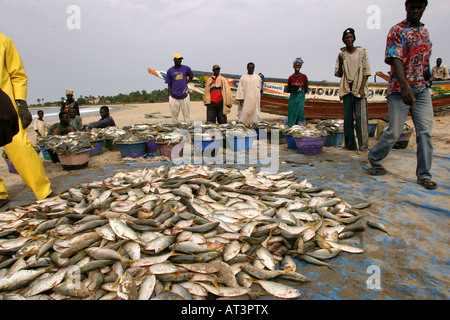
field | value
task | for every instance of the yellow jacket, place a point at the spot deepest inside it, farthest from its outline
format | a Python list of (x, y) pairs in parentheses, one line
[(12, 74), (226, 93)]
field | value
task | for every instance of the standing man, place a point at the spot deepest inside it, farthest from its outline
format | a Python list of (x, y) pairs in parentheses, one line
[(70, 103), (217, 98), (353, 67), (14, 119), (249, 96), (177, 79), (408, 51), (439, 71)]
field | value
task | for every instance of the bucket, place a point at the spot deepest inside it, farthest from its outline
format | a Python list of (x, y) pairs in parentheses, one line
[(132, 150), (53, 156), (74, 161), (334, 140), (44, 152), (240, 143), (403, 141), (372, 128), (311, 146), (210, 146), (110, 145), (11, 167), (260, 136), (290, 141), (151, 146), (167, 149), (97, 148)]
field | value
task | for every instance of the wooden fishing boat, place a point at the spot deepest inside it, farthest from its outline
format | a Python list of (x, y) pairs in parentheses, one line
[(322, 101)]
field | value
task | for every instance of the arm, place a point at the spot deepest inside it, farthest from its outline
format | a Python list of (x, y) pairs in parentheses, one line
[(399, 72), (9, 120), (19, 80), (362, 90), (338, 70)]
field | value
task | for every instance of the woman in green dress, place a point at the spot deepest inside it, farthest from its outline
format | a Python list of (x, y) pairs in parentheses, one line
[(297, 87)]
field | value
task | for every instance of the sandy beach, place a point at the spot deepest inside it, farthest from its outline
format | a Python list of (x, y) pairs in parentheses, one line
[(412, 257), (136, 114)]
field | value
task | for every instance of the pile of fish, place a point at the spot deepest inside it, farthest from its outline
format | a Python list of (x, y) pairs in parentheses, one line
[(184, 232), (309, 130), (331, 126), (70, 143)]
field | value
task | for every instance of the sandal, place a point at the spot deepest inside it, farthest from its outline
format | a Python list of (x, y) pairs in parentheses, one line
[(375, 169), (427, 184)]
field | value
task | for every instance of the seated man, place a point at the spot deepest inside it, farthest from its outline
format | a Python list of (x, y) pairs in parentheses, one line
[(104, 122), (63, 127), (75, 120)]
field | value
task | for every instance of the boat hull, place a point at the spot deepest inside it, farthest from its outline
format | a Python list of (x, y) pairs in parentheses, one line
[(322, 101)]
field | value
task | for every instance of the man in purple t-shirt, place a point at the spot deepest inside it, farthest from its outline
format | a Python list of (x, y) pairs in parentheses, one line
[(178, 78)]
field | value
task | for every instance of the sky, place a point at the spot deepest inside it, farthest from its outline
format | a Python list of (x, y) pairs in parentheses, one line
[(104, 47)]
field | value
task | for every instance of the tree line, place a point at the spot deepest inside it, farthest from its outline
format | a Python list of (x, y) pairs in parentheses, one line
[(133, 97)]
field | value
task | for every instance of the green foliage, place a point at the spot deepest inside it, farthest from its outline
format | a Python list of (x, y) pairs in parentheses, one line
[(143, 96)]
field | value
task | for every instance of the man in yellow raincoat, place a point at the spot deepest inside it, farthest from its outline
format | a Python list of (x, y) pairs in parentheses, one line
[(14, 119)]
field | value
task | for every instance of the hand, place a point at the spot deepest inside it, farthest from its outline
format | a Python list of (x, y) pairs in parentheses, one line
[(408, 97), (9, 121), (24, 114), (362, 93)]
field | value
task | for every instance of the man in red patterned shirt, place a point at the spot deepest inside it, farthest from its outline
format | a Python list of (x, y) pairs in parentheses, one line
[(408, 51)]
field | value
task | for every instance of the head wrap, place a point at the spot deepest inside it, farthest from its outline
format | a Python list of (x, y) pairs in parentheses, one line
[(299, 60)]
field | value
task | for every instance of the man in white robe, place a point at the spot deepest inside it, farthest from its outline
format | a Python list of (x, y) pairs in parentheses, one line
[(248, 96)]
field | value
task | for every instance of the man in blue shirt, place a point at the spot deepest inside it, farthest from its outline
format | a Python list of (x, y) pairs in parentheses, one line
[(104, 122), (177, 79)]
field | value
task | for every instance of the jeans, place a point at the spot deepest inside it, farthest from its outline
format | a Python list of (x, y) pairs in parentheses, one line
[(422, 117)]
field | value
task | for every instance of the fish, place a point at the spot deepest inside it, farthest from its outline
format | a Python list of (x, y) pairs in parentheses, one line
[(174, 232), (377, 225), (278, 289)]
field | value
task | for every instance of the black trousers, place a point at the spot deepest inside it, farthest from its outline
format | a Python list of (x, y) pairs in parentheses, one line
[(214, 112)]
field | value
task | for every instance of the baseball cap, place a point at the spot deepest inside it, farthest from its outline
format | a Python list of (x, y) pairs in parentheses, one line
[(216, 66), (177, 56)]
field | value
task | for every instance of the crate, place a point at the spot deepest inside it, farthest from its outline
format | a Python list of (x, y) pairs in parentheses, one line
[(334, 140), (97, 148)]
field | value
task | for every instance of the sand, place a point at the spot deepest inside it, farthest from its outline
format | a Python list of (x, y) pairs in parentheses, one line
[(136, 114)]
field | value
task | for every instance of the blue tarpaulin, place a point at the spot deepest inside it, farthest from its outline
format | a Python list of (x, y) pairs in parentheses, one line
[(412, 262)]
